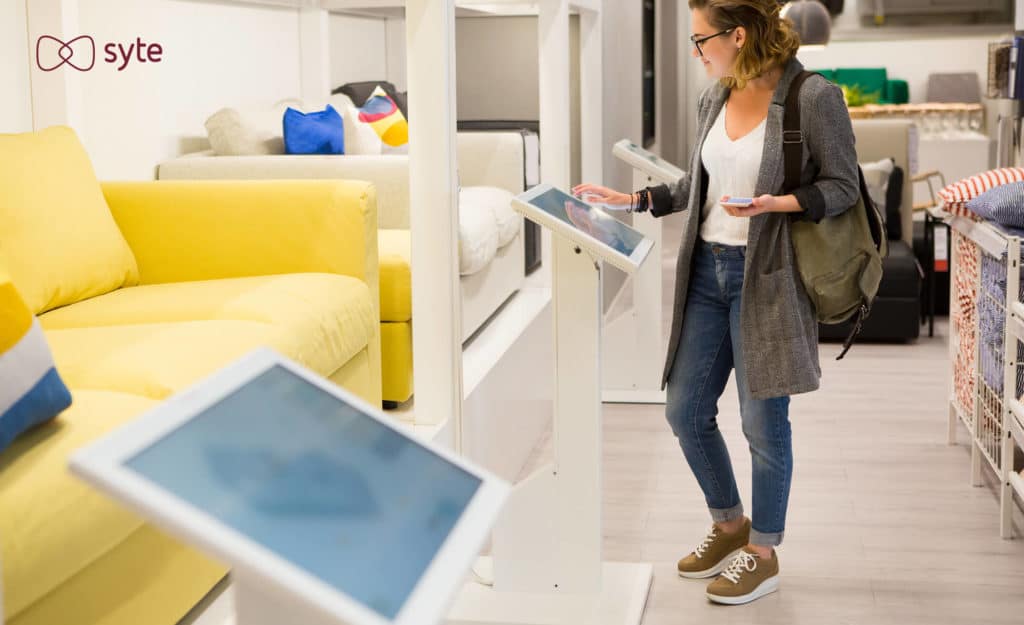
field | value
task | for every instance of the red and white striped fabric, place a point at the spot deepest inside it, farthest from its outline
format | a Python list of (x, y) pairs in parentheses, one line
[(963, 318), (956, 195)]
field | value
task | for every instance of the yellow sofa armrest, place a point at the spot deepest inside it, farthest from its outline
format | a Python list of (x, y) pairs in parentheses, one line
[(204, 230)]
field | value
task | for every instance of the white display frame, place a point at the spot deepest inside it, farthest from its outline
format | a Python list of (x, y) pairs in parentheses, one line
[(656, 168), (259, 571), (630, 264)]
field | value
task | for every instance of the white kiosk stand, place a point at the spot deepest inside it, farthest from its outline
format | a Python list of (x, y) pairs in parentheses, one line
[(547, 563), (326, 511), (634, 340)]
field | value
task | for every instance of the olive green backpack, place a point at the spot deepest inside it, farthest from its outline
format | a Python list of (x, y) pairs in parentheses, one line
[(839, 259)]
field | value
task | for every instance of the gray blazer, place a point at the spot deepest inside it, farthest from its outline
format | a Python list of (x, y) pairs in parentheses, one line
[(778, 327)]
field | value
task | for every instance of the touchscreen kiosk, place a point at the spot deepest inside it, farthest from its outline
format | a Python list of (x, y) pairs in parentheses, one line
[(585, 225), (274, 470), (648, 162)]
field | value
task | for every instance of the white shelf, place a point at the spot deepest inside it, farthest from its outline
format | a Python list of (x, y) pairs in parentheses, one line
[(1016, 422), (1017, 483), (987, 237), (464, 8)]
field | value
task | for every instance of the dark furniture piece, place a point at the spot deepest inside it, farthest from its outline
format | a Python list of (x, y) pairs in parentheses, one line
[(896, 311)]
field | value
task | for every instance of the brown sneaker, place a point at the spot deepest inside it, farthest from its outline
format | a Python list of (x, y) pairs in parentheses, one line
[(748, 577), (714, 553)]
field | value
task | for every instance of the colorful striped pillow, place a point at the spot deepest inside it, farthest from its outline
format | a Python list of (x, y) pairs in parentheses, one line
[(31, 391), (956, 195)]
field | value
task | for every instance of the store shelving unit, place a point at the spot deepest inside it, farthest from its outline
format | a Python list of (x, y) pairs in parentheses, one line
[(986, 353)]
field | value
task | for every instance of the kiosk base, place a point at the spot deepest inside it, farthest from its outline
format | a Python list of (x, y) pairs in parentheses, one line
[(258, 603), (623, 595)]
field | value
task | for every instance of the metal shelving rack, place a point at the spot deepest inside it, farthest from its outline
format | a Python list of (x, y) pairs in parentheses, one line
[(987, 354)]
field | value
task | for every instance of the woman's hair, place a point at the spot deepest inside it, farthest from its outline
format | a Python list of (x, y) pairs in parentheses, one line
[(771, 41)]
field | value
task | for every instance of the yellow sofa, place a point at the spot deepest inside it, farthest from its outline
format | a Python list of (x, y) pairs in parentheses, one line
[(492, 159), (214, 270)]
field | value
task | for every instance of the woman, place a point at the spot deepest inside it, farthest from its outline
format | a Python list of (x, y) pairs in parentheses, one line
[(739, 302)]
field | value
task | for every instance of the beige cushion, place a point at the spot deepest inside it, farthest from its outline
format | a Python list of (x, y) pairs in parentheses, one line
[(250, 132)]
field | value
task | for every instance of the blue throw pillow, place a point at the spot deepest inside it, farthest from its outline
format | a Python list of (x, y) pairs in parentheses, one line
[(320, 132), (31, 391), (1003, 205)]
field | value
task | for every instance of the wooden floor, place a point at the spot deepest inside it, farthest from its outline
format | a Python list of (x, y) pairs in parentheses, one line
[(883, 525)]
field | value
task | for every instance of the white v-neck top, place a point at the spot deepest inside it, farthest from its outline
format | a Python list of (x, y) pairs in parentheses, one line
[(733, 168)]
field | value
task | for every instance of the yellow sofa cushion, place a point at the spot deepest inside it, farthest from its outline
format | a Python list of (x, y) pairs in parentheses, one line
[(54, 525), (395, 251), (59, 241), (396, 351), (155, 340), (148, 579)]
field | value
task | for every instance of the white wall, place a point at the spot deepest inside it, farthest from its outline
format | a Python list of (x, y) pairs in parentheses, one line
[(15, 103), (214, 55), (358, 48), (496, 62), (497, 73)]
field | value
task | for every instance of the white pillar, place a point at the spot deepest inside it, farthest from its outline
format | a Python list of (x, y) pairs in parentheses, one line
[(57, 94), (553, 39), (314, 56), (433, 191), (553, 78), (578, 417), (592, 144)]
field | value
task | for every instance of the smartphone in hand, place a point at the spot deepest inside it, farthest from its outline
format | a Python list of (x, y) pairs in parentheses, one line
[(738, 202)]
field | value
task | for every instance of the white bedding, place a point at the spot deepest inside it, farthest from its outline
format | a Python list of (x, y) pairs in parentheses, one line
[(487, 223)]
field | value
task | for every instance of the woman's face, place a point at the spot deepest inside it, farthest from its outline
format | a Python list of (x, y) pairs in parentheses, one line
[(718, 52)]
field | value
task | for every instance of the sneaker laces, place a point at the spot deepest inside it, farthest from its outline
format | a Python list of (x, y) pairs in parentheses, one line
[(703, 546), (743, 562)]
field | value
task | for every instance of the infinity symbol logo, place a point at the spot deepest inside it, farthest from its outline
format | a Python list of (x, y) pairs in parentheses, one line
[(82, 49)]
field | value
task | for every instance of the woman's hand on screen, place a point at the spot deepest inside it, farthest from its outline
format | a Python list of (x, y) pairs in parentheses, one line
[(597, 194)]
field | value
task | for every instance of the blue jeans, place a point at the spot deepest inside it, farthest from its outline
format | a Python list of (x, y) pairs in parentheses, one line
[(709, 349)]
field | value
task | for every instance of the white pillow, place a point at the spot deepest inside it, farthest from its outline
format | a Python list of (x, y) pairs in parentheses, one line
[(340, 101), (499, 201), (234, 132), (876, 177), (478, 237), (360, 138)]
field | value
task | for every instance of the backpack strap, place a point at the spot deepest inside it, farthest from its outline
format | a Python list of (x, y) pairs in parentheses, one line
[(792, 155), (792, 136)]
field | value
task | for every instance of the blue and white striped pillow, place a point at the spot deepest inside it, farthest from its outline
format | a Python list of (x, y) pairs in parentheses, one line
[(1003, 205), (31, 390)]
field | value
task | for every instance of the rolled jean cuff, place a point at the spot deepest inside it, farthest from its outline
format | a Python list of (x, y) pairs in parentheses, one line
[(727, 514), (771, 539)]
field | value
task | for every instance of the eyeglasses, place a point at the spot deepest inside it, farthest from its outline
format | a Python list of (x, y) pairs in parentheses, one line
[(697, 42)]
